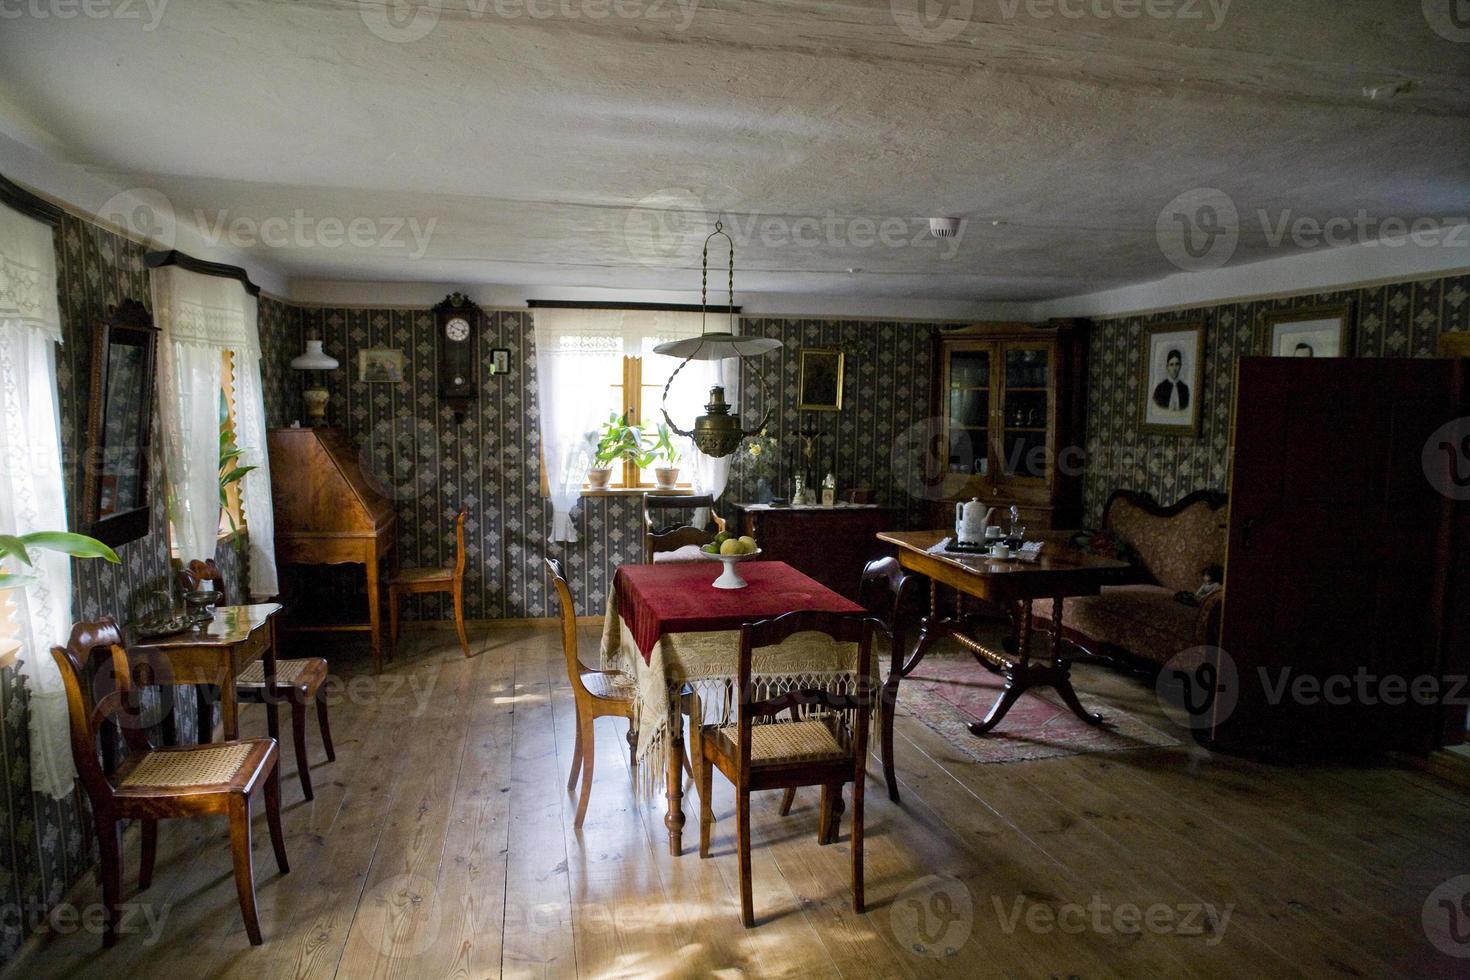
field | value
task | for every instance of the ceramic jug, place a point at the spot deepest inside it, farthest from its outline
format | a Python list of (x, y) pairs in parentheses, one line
[(970, 520)]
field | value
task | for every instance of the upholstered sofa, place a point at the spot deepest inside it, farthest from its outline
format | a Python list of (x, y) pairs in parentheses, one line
[(1170, 547)]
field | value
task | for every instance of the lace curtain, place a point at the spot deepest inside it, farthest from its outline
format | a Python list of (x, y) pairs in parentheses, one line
[(579, 355), (32, 489), (200, 317)]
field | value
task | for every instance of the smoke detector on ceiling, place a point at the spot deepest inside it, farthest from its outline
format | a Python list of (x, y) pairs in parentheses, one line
[(944, 227)]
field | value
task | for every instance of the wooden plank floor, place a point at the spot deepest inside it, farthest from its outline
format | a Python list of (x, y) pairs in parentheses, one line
[(440, 843)]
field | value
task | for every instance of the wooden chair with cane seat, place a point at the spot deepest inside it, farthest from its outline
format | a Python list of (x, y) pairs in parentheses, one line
[(597, 693), (159, 784), (890, 595), (821, 748), (417, 581), (663, 538), (299, 682)]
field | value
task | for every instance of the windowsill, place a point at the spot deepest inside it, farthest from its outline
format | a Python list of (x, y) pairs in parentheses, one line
[(637, 492), (8, 650), (225, 537)]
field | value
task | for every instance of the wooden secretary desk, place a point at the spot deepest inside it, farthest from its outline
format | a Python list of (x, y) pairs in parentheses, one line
[(327, 513), (1009, 400)]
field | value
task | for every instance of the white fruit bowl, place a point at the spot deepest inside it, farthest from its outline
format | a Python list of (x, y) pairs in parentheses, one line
[(730, 577)]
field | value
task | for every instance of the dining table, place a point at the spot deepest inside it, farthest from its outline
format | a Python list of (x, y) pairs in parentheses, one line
[(1057, 571), (678, 637)]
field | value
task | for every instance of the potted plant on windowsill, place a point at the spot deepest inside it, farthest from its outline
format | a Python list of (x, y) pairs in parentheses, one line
[(661, 448), (615, 440)]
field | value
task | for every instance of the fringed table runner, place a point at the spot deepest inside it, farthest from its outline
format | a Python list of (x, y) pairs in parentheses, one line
[(668, 627)]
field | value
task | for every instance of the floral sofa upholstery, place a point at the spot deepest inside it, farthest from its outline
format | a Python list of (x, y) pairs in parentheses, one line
[(1171, 547)]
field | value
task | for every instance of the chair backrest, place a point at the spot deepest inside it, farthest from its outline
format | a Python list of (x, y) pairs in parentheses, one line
[(841, 627), (888, 592), (660, 536), (193, 576), (102, 641), (568, 622), (459, 555)]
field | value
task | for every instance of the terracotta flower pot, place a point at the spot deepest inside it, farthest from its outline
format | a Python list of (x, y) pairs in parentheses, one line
[(597, 479), (667, 476)]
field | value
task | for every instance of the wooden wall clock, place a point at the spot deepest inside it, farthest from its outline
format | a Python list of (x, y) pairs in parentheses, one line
[(458, 323)]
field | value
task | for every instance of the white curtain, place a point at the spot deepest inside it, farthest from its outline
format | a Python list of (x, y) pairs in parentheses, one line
[(200, 317), (32, 490), (579, 356), (255, 487)]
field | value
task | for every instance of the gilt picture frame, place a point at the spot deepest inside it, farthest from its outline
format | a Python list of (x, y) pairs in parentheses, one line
[(1310, 331), (1172, 378), (820, 379)]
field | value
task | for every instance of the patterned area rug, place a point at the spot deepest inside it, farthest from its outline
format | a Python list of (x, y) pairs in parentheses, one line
[(946, 693)]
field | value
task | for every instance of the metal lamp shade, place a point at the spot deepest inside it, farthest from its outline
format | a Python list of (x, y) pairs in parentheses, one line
[(717, 347)]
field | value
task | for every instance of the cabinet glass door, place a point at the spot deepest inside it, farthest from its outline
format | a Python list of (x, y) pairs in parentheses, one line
[(1025, 412), (968, 395)]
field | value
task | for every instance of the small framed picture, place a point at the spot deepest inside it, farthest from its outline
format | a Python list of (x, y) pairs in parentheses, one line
[(1172, 378), (820, 383), (380, 365), (500, 360), (1314, 331)]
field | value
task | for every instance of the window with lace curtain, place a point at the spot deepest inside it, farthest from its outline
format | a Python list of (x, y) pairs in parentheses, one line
[(592, 363)]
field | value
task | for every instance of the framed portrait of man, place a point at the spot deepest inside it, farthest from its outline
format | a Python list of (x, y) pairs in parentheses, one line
[(1314, 331), (1172, 378)]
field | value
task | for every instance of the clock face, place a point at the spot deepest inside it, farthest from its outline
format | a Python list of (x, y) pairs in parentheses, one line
[(457, 329)]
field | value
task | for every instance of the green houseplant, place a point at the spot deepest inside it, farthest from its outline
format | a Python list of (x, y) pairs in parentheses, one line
[(660, 446), (17, 547), (614, 440)]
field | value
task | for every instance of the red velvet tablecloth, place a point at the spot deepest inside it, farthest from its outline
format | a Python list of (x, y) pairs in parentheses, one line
[(679, 598)]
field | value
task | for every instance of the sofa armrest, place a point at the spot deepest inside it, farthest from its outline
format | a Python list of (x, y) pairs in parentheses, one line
[(1207, 625)]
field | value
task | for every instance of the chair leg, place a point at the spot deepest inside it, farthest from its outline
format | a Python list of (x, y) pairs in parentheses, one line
[(394, 597), (325, 726), (742, 844), (824, 817), (150, 853), (632, 746), (857, 844), (464, 640), (787, 798), (298, 735), (576, 757), (889, 699), (273, 817), (589, 756), (205, 706), (109, 842), (244, 873), (705, 779)]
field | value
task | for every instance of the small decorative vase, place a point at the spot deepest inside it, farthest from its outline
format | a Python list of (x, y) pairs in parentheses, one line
[(763, 494)]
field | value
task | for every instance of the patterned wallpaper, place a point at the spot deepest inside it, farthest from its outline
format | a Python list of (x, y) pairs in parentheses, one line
[(1396, 320), (490, 461), (46, 844)]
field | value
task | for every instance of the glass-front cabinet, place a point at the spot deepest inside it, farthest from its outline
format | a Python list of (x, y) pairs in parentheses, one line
[(1005, 406)]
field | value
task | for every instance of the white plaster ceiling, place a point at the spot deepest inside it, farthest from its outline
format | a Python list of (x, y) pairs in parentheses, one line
[(594, 151)]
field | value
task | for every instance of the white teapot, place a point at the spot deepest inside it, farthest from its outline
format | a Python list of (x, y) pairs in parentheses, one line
[(970, 521)]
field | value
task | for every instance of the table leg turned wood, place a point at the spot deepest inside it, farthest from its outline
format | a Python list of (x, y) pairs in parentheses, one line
[(674, 785)]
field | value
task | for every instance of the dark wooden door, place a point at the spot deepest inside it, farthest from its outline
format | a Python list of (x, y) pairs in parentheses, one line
[(1338, 555)]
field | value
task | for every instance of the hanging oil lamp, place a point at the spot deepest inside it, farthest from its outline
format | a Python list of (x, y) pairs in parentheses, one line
[(716, 433)]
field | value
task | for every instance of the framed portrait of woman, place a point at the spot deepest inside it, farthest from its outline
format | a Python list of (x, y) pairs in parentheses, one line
[(1172, 378)]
